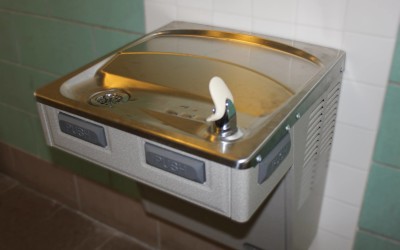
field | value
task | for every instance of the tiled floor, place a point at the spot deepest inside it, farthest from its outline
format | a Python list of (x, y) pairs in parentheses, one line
[(30, 221)]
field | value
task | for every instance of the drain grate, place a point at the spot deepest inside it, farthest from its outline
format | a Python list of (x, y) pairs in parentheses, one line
[(109, 97)]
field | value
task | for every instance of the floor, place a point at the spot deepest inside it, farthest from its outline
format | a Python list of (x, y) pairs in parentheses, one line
[(29, 220)]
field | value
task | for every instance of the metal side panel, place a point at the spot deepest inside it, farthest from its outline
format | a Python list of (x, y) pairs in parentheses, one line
[(125, 153), (312, 133), (298, 192), (44, 120), (248, 194), (264, 231)]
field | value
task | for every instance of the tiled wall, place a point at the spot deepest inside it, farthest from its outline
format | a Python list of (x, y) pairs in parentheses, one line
[(379, 225), (366, 30), (43, 40), (98, 201)]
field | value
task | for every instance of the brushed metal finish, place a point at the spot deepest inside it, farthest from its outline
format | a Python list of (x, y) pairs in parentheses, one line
[(166, 75)]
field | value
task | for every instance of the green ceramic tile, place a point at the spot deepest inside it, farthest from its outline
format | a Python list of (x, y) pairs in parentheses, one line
[(119, 14), (388, 142), (381, 207), (53, 46), (42, 150), (395, 72), (108, 40), (37, 6), (124, 185), (94, 172), (368, 241), (8, 44), (19, 83), (16, 128)]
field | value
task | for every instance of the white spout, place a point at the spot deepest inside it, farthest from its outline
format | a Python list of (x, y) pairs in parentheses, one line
[(220, 93)]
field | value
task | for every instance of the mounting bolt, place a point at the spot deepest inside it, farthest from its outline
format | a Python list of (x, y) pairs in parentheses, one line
[(259, 158), (298, 116), (287, 127)]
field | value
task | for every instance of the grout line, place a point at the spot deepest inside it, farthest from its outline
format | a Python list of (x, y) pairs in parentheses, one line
[(45, 197), (385, 165), (369, 34), (79, 212), (11, 152), (343, 29), (19, 110), (296, 21), (397, 84), (276, 21), (379, 236), (353, 166), (61, 207), (93, 43), (342, 202), (29, 67), (252, 16), (213, 12), (99, 247), (107, 239), (77, 193), (319, 27), (83, 215), (358, 127), (60, 19), (41, 195), (158, 232), (338, 235), (18, 49), (113, 230), (9, 188), (14, 147), (350, 166), (369, 84), (14, 185)]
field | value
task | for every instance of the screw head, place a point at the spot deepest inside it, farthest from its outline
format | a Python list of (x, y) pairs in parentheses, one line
[(298, 116), (259, 158), (287, 127)]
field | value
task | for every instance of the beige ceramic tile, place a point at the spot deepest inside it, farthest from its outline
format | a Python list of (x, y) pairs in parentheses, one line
[(6, 159), (174, 238), (117, 210), (6, 183), (31, 221), (45, 177), (122, 242)]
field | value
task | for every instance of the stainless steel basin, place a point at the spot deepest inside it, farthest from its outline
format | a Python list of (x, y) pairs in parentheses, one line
[(157, 88)]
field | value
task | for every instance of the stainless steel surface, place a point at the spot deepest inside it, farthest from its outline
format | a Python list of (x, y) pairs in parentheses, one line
[(226, 128), (165, 78)]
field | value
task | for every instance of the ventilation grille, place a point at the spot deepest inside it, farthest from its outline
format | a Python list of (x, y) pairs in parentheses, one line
[(319, 140), (330, 118)]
